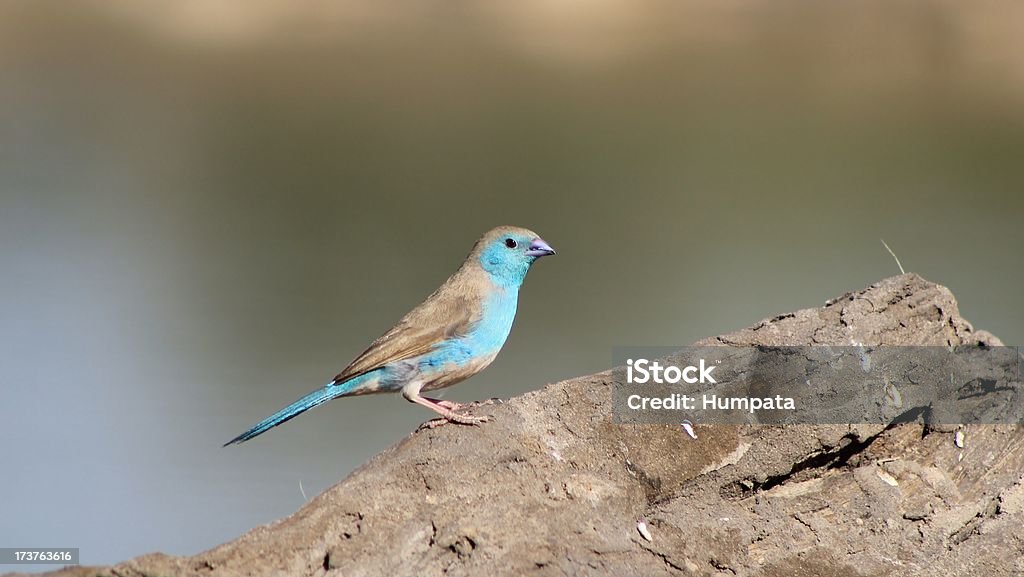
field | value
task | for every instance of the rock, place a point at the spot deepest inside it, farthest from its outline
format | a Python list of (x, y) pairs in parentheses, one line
[(553, 487)]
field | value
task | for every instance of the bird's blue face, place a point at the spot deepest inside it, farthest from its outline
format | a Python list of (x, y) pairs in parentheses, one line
[(508, 257)]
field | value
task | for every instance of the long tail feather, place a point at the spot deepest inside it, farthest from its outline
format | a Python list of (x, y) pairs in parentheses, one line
[(317, 397)]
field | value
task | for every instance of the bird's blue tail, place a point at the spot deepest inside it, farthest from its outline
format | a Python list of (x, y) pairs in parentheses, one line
[(317, 397)]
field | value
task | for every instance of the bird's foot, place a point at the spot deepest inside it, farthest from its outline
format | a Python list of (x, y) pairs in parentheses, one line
[(456, 418), (431, 424), (464, 419), (484, 403), (454, 406), (447, 411)]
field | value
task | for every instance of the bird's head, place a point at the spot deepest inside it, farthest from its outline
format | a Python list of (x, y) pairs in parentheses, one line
[(507, 252)]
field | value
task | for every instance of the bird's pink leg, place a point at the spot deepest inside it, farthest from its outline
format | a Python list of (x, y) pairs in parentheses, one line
[(447, 415), (411, 392), (450, 405)]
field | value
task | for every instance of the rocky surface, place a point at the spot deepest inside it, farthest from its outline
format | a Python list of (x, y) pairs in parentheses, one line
[(553, 487)]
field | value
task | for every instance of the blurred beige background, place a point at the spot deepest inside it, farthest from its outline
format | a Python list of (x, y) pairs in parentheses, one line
[(208, 208)]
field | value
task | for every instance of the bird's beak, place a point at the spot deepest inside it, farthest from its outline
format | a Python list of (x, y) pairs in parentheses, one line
[(539, 248)]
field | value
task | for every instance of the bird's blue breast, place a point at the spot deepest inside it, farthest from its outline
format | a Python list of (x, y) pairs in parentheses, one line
[(482, 341)]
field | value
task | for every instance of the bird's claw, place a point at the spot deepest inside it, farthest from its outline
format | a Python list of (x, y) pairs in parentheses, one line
[(463, 419), (454, 406), (453, 418), (431, 424)]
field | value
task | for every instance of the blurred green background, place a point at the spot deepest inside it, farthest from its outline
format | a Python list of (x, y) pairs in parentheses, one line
[(207, 208)]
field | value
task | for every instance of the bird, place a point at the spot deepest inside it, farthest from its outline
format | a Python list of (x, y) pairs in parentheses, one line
[(452, 335)]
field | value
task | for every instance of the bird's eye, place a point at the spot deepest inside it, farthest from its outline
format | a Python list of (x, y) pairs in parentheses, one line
[(510, 242)]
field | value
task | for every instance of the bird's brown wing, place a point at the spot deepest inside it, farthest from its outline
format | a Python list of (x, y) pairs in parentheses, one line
[(445, 314)]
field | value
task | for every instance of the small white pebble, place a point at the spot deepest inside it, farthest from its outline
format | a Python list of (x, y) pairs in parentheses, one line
[(958, 439), (688, 427), (865, 359), (893, 395), (887, 478), (641, 527)]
